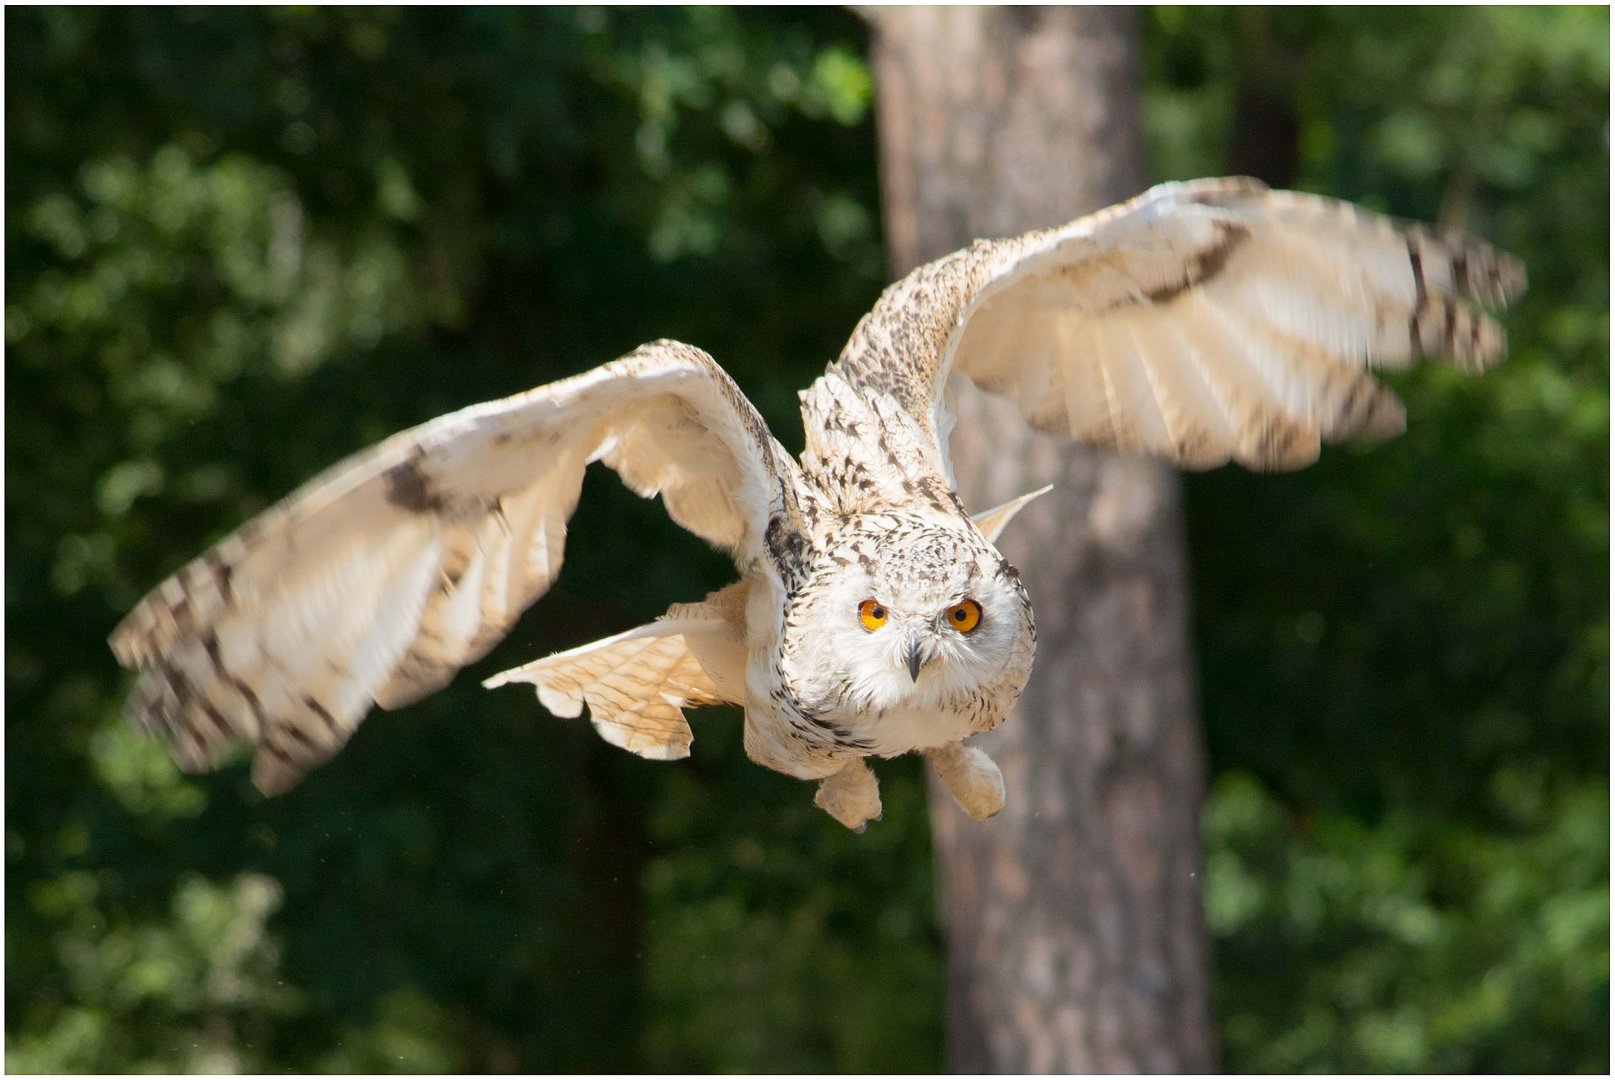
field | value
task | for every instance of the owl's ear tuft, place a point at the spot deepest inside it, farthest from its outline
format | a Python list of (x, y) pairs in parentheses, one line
[(992, 522)]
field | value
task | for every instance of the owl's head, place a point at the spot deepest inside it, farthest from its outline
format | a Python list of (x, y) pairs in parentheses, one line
[(910, 613)]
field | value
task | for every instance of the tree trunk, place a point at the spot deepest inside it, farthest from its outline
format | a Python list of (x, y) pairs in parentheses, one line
[(1073, 922)]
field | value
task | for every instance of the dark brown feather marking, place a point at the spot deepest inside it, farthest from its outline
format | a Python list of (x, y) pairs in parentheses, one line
[(222, 574), (315, 707), (1416, 261), (210, 643), (1460, 272), (409, 488), (1205, 265), (211, 711)]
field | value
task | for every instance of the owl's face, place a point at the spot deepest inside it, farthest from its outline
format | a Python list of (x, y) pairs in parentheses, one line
[(909, 615)]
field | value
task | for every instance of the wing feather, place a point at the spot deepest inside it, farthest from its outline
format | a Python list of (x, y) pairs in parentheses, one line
[(1202, 424), (380, 579), (1206, 321), (636, 684), (1087, 406)]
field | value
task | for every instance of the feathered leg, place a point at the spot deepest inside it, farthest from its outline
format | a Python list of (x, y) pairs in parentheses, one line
[(971, 778), (851, 796)]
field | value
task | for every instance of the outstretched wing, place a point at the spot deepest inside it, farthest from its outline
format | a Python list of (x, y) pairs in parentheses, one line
[(381, 578), (1202, 322)]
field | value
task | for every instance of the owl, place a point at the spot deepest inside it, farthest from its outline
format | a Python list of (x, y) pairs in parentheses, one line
[(871, 616)]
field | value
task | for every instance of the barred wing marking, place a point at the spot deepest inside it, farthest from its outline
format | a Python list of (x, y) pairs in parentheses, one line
[(381, 578), (1202, 322)]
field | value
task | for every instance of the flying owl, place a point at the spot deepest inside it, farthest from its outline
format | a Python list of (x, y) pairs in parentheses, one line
[(1202, 322)]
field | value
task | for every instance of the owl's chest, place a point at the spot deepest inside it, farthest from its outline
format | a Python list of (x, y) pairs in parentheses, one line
[(837, 718), (900, 730)]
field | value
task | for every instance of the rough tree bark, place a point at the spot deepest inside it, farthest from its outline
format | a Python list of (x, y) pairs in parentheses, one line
[(1073, 921)]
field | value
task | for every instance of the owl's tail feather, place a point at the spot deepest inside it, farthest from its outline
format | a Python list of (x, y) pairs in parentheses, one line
[(638, 683)]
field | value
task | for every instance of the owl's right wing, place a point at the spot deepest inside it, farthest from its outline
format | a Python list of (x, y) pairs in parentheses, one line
[(1201, 322), (380, 579)]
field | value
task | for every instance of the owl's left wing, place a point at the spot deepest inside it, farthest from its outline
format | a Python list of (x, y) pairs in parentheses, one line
[(380, 579), (1202, 322)]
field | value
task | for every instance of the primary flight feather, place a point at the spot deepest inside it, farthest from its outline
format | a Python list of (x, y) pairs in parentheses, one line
[(1203, 322)]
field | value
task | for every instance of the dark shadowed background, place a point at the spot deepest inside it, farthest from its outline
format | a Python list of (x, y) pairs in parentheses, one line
[(242, 243)]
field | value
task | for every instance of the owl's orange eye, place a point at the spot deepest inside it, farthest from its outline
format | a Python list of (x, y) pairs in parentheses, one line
[(872, 613), (964, 616)]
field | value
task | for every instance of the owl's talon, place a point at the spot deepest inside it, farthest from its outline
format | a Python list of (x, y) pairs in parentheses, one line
[(851, 796), (971, 777)]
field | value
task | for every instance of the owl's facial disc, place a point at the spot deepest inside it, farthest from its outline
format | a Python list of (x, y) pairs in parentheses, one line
[(907, 616)]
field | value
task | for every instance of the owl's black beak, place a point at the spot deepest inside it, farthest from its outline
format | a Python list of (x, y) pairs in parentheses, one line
[(916, 658)]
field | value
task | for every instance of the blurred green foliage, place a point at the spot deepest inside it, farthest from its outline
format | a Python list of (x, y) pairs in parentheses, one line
[(241, 243)]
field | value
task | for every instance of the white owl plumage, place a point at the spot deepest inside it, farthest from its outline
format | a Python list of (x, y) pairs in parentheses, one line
[(1202, 322)]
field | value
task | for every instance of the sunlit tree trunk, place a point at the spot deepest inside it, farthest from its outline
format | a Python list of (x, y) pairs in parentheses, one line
[(1073, 922)]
